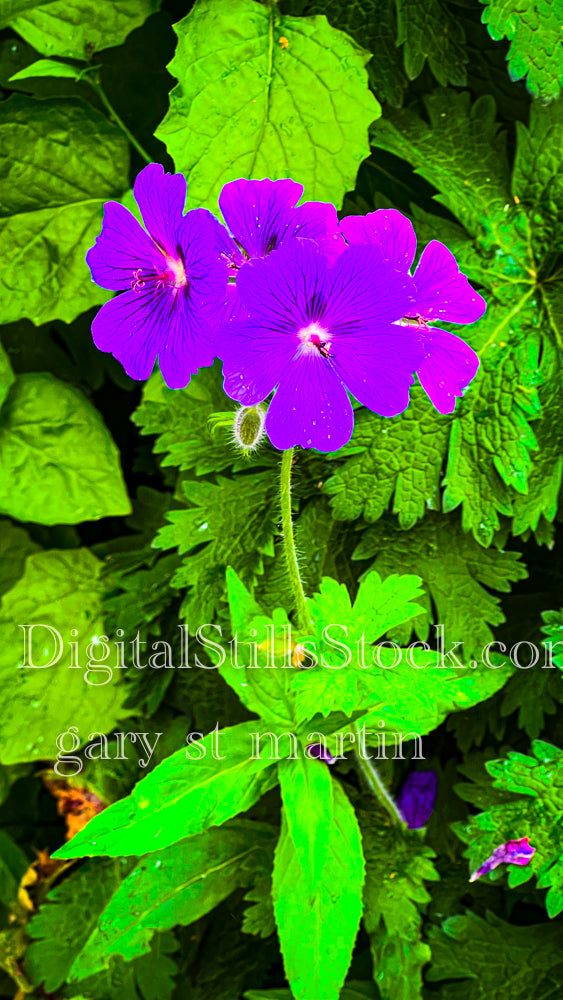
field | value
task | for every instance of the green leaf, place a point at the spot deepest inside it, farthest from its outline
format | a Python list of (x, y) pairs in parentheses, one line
[(430, 32), (69, 916), (59, 589), (181, 797), (454, 569), (6, 375), (462, 153), (50, 434), (264, 108), (75, 28), (47, 67), (177, 886), (231, 523), (397, 863), (15, 547), (317, 924), (373, 25), (536, 813), (307, 795), (479, 954), (534, 32), (60, 160), (401, 459)]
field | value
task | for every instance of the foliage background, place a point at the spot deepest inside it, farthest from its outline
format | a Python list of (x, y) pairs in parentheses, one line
[(123, 505)]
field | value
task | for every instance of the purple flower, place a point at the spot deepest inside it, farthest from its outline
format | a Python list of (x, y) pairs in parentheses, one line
[(168, 276), (443, 294), (314, 331), (416, 798), (513, 852), (319, 752)]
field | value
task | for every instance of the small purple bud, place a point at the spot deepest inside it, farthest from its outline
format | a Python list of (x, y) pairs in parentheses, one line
[(416, 798), (319, 752), (513, 852)]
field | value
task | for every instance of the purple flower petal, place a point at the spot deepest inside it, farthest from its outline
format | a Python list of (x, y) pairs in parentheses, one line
[(258, 213), (443, 292), (161, 198), (513, 852), (448, 368), (416, 798), (388, 229), (316, 220), (122, 247), (130, 327), (310, 408), (252, 365)]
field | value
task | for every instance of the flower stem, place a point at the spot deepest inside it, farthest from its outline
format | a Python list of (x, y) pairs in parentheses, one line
[(289, 543), (377, 788), (118, 121)]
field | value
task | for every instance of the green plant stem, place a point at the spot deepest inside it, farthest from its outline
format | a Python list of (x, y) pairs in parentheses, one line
[(377, 788), (289, 543), (119, 121)]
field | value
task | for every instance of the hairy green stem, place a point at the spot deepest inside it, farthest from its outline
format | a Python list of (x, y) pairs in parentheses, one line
[(289, 543), (377, 788), (118, 121)]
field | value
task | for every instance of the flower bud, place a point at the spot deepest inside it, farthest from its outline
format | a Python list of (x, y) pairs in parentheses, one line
[(248, 428)]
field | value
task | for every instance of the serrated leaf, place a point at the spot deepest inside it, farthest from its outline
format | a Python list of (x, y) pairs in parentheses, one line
[(397, 863), (454, 569), (265, 108), (234, 519), (60, 161), (429, 31), (60, 589), (181, 797), (534, 32), (537, 813), (317, 925), (479, 954), (50, 434), (75, 28)]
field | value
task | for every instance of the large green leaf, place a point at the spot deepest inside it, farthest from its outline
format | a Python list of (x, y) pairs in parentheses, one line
[(178, 886), (317, 923), (52, 436), (250, 105), (75, 28), (181, 797), (431, 32), (59, 161), (60, 589)]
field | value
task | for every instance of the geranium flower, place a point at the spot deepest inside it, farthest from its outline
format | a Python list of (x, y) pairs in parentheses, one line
[(318, 751), (168, 275), (513, 852), (443, 294), (314, 331), (416, 798)]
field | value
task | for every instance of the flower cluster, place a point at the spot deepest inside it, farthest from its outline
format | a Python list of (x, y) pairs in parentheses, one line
[(292, 301)]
